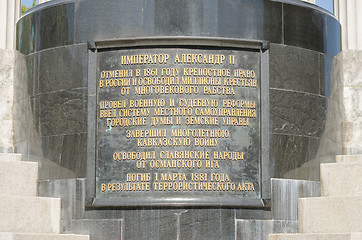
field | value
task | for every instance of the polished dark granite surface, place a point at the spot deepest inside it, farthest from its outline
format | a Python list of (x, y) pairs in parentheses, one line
[(174, 223), (306, 111), (303, 74), (295, 69), (274, 21), (297, 113), (25, 32), (56, 107), (55, 26)]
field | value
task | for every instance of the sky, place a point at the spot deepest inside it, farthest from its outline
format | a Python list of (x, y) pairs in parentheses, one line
[(28, 3), (327, 4)]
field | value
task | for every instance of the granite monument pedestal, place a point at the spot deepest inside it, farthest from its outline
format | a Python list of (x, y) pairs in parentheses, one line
[(168, 121)]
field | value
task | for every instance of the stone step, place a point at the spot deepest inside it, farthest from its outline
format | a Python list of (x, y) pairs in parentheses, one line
[(29, 236), (330, 215), (10, 157), (341, 179), (18, 178), (336, 236), (348, 158), (29, 214), (260, 229)]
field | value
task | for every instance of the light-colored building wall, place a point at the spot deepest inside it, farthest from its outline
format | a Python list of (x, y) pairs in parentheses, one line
[(348, 13), (9, 14)]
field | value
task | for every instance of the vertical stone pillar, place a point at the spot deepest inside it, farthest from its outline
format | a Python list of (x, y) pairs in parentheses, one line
[(9, 14), (348, 13), (7, 74)]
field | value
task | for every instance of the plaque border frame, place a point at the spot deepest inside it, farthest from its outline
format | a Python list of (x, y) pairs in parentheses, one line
[(265, 180)]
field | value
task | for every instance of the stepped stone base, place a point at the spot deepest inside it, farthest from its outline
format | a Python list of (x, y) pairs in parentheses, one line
[(341, 179), (285, 195), (349, 158), (18, 178), (330, 215), (70, 191), (260, 229), (99, 229), (283, 216), (10, 157), (337, 236), (29, 214), (27, 236)]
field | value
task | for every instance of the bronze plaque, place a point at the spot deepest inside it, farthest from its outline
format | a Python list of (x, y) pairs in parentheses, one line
[(178, 126)]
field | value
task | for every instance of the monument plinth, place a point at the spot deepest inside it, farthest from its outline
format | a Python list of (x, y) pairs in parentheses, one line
[(156, 115)]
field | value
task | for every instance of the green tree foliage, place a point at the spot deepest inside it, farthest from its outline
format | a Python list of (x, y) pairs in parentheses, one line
[(24, 8)]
